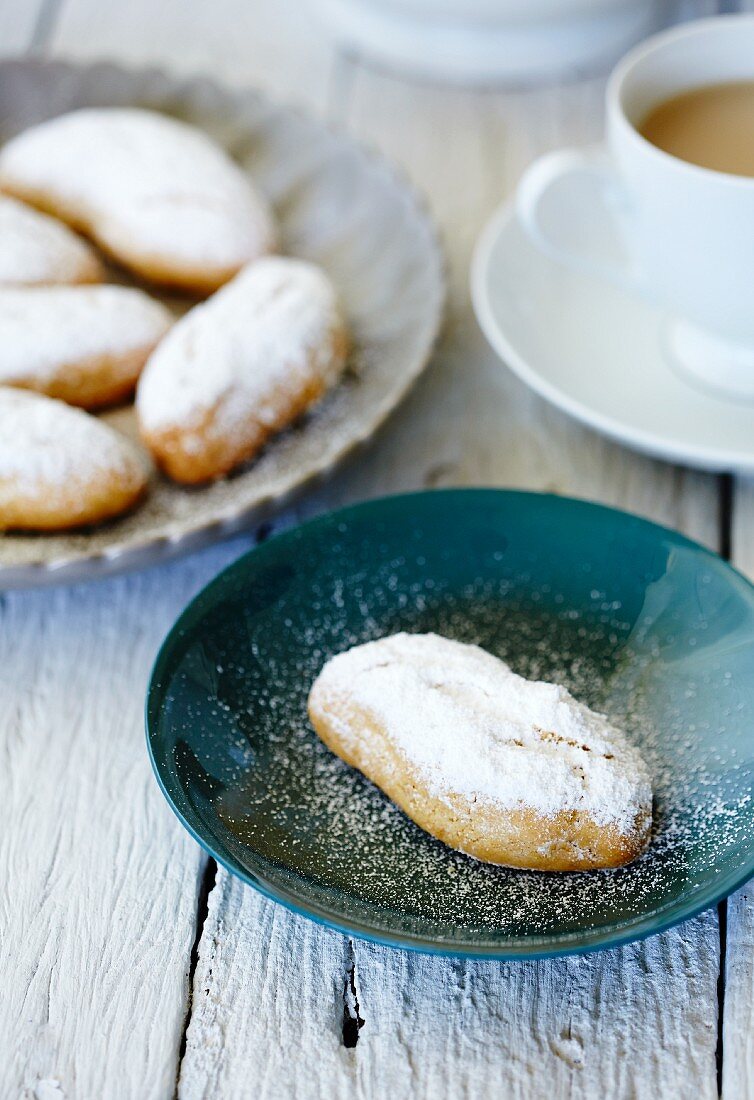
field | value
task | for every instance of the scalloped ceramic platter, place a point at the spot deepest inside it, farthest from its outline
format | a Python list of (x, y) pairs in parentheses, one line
[(337, 204)]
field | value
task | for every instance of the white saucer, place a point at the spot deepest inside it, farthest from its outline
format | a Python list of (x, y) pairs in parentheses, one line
[(598, 353)]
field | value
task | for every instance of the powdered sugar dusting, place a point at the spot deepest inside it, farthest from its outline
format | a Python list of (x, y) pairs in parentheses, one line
[(325, 832), (471, 726), (46, 445), (44, 329), (40, 250), (142, 181), (269, 328)]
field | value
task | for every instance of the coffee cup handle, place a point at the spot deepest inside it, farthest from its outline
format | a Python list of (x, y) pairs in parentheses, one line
[(595, 172)]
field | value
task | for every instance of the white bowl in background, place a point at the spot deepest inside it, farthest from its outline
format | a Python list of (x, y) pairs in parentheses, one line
[(486, 41)]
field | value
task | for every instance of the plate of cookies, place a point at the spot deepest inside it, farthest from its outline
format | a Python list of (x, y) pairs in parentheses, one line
[(459, 722), (206, 302)]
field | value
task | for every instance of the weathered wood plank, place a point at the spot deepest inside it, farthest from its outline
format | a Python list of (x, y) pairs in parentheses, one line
[(615, 1025), (470, 421), (270, 988), (636, 1022), (99, 882), (268, 1002), (738, 1018), (98, 914), (540, 448)]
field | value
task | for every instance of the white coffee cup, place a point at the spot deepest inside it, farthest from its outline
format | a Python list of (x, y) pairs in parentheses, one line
[(684, 235)]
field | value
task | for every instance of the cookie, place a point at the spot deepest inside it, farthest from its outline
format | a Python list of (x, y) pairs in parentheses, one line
[(60, 467), (241, 367), (156, 194), (84, 345), (509, 770), (39, 251)]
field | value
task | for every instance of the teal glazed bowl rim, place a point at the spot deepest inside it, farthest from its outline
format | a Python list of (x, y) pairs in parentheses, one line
[(649, 923)]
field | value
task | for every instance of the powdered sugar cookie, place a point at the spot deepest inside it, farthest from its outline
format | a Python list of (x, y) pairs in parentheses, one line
[(157, 194), (241, 367), (60, 467), (509, 770), (38, 251), (84, 345)]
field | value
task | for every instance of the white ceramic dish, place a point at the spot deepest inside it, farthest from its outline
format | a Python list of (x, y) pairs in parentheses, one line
[(483, 41), (597, 352), (339, 205)]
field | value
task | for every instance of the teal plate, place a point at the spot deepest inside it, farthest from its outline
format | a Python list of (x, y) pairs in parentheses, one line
[(636, 620)]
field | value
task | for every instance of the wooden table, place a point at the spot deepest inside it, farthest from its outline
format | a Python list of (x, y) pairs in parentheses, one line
[(131, 966)]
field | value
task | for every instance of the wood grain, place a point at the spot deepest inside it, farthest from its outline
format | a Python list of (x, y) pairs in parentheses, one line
[(637, 1022), (738, 1019), (98, 881), (99, 885), (268, 1004), (615, 1025), (98, 903)]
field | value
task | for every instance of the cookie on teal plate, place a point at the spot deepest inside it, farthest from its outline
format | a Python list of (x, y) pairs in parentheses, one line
[(636, 620)]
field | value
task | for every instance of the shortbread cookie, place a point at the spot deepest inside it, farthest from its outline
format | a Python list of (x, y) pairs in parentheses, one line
[(60, 467), (156, 194), (84, 345), (508, 770), (241, 367), (38, 251)]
